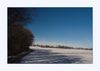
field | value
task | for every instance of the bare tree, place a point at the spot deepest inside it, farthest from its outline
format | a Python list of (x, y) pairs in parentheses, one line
[(19, 37)]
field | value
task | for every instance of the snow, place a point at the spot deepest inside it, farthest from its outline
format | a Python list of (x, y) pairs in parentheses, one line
[(58, 56)]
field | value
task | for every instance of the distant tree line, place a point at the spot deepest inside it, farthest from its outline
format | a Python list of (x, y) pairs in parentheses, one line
[(19, 37), (50, 46), (61, 46)]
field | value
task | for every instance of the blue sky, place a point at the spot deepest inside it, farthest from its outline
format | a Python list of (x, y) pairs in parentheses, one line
[(63, 26)]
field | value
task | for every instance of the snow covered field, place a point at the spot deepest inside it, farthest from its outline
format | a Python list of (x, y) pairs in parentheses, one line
[(58, 56)]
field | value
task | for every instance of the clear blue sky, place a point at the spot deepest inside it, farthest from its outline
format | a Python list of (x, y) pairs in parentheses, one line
[(63, 26)]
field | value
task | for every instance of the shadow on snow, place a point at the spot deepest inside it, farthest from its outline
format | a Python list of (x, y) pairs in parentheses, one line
[(48, 57)]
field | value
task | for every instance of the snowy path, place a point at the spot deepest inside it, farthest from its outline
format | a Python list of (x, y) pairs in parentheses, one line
[(57, 56)]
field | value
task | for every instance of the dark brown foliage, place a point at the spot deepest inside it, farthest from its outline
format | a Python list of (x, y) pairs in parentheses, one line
[(19, 38)]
